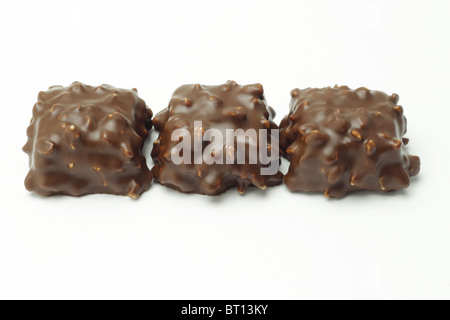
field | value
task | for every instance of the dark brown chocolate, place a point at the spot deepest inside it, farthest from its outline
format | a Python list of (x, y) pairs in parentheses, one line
[(228, 106), (340, 140), (85, 140)]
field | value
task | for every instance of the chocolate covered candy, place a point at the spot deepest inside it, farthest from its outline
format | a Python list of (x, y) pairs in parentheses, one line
[(340, 140), (195, 110), (85, 140)]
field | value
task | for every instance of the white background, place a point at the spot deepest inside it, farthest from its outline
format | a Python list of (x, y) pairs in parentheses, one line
[(271, 244)]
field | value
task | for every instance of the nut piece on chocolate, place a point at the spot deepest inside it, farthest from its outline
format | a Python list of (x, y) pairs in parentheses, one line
[(340, 140), (85, 140), (228, 106)]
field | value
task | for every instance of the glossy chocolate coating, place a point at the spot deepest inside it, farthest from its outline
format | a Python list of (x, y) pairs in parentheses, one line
[(340, 140), (228, 106), (85, 140)]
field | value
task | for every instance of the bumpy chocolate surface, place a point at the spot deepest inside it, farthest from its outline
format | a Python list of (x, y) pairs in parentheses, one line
[(340, 140), (85, 140), (228, 106)]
